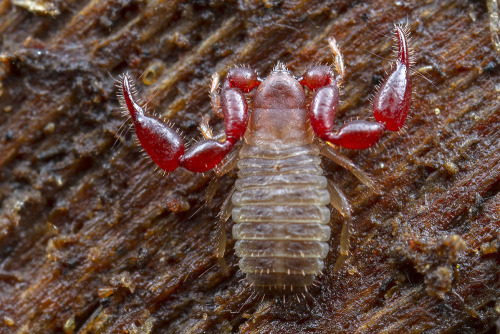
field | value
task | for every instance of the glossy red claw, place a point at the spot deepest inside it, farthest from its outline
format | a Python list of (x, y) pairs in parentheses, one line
[(128, 97), (166, 147), (392, 101), (390, 106), (160, 141)]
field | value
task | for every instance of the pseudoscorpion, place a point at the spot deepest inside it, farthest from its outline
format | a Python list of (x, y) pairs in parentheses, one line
[(280, 200)]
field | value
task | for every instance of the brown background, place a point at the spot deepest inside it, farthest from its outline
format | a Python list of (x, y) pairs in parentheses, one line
[(93, 240)]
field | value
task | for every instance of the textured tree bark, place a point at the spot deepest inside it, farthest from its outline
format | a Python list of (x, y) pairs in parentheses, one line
[(94, 240)]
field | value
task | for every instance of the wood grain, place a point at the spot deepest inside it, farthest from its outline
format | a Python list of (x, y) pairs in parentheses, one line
[(93, 240)]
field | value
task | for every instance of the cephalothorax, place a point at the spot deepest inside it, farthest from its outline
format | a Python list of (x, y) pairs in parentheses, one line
[(279, 204)]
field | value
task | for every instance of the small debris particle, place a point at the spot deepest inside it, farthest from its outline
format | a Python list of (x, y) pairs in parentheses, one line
[(8, 321), (38, 6), (154, 70), (388, 295), (438, 282), (425, 69), (437, 111), (181, 40), (105, 292), (454, 245), (472, 13), (489, 247), (69, 325), (59, 180), (94, 254), (7, 108), (177, 206), (474, 116), (126, 281), (49, 128), (352, 271), (450, 167), (147, 324)]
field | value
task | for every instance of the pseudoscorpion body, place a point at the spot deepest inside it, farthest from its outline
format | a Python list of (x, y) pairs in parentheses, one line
[(279, 205)]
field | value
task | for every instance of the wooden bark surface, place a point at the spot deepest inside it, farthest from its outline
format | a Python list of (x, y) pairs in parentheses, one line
[(93, 240)]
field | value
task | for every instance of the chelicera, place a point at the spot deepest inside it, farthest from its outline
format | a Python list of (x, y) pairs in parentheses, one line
[(279, 202)]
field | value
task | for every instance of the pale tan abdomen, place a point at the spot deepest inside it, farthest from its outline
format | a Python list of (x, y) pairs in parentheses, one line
[(281, 216)]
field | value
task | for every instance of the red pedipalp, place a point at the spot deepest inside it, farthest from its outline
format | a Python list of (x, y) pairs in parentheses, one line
[(392, 101), (390, 106), (162, 143), (166, 147)]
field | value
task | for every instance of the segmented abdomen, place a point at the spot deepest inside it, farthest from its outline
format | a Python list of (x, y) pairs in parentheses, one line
[(281, 217)]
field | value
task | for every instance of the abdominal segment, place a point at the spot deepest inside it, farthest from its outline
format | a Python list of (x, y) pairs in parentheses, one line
[(281, 218)]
